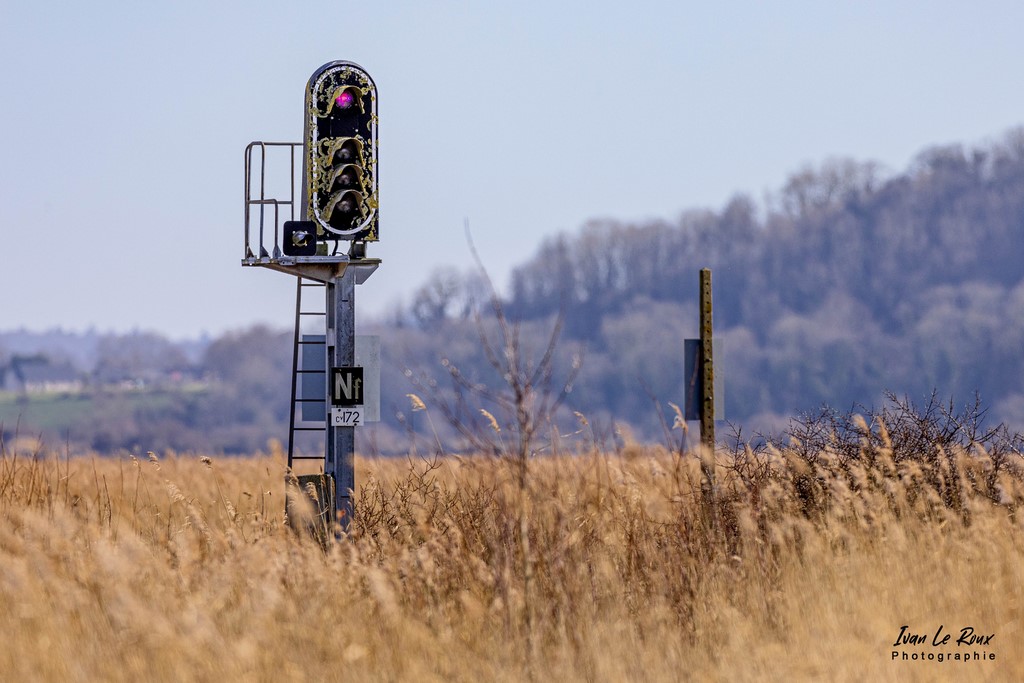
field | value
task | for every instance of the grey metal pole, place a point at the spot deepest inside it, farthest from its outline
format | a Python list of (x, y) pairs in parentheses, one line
[(341, 335)]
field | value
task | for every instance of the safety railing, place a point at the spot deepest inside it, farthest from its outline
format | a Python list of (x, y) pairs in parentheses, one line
[(272, 181)]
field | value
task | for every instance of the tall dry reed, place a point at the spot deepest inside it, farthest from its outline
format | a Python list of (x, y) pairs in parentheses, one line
[(598, 567)]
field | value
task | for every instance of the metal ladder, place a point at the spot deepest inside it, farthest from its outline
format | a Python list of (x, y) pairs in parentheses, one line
[(295, 422)]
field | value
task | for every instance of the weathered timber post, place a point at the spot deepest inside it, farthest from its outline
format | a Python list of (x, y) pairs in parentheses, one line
[(707, 367)]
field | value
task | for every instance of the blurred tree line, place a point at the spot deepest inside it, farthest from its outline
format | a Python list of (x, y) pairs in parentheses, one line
[(845, 284)]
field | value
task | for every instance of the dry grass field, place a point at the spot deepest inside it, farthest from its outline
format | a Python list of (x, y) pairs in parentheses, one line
[(600, 567)]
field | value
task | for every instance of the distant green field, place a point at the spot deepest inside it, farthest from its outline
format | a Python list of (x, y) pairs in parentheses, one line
[(44, 411), (58, 411)]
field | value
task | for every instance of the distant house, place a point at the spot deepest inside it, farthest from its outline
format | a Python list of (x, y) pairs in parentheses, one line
[(39, 374)]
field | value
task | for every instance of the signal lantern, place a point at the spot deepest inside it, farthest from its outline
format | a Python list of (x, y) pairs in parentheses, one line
[(341, 153), (299, 238)]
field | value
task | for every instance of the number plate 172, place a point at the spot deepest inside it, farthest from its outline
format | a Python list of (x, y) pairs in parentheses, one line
[(348, 416)]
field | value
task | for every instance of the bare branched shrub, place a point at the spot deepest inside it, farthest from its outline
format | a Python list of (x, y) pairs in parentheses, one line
[(524, 400), (934, 436)]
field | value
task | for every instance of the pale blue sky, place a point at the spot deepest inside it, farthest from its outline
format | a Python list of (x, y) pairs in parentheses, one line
[(123, 125)]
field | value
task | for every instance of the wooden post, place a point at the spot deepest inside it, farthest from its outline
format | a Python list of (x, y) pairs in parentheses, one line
[(707, 398), (707, 408)]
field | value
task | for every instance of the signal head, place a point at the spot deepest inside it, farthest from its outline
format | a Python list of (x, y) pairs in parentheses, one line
[(341, 152)]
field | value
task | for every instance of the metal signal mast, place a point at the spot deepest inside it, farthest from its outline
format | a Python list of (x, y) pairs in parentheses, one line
[(321, 240)]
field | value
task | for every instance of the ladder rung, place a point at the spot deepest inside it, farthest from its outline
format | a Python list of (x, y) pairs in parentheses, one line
[(294, 419)]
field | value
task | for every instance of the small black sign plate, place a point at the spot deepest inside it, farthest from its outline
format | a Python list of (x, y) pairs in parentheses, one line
[(299, 238), (347, 386)]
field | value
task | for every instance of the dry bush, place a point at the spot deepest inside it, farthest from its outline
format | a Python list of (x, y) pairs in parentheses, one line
[(602, 567)]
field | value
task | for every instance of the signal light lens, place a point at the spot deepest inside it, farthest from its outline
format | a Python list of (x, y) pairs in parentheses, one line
[(349, 152), (345, 99)]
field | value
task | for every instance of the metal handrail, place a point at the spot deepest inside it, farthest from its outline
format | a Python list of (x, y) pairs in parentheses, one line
[(263, 201)]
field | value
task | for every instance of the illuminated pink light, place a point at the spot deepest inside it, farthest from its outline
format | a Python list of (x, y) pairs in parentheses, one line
[(345, 99)]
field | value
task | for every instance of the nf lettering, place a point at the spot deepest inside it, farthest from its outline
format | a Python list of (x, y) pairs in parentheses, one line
[(347, 386)]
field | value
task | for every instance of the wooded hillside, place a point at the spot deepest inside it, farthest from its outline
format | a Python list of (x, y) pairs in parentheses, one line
[(846, 283)]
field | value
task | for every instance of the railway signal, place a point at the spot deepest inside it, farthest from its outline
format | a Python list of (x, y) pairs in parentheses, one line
[(339, 203)]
